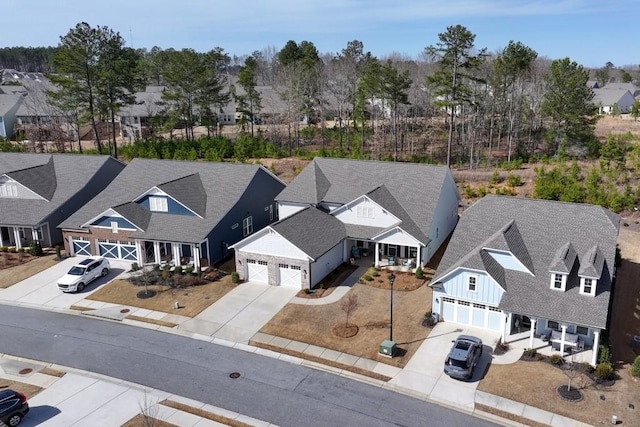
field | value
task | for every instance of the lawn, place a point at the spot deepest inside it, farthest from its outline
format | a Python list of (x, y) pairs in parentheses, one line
[(192, 299), (314, 324), (15, 267), (24, 388), (535, 383)]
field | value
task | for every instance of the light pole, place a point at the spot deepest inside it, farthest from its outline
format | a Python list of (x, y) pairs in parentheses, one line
[(392, 278)]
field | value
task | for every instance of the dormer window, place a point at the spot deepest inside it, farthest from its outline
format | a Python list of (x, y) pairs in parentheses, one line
[(588, 286), (158, 204), (8, 189), (558, 281), (472, 283), (365, 212)]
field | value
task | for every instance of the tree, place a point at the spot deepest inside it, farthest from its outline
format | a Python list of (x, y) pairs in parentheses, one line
[(76, 63), (635, 109), (349, 304), (625, 77), (250, 102), (393, 90), (454, 54), (568, 103)]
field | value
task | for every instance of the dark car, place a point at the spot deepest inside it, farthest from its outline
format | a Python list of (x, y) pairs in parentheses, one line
[(13, 407), (463, 357)]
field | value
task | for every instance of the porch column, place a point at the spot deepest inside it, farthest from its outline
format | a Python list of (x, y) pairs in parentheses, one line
[(195, 256), (176, 250), (532, 332), (377, 256), (563, 336), (156, 253), (1, 241), (16, 237), (140, 254), (596, 347), (506, 322), (418, 257), (34, 234)]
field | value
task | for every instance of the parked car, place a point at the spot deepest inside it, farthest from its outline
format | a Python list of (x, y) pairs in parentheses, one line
[(83, 273), (13, 407), (463, 357)]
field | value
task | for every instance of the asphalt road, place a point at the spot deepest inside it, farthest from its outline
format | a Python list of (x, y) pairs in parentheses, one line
[(268, 389)]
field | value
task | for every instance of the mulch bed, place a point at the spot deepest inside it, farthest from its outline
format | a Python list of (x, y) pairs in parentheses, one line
[(569, 394), (345, 330)]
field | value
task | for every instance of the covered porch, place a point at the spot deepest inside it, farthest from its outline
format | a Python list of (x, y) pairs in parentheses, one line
[(574, 342), (173, 254), (22, 237)]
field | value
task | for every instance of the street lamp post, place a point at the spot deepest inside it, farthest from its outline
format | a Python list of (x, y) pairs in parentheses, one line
[(392, 278)]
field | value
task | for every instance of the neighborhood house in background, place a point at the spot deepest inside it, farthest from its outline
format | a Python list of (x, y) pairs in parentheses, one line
[(533, 270), (393, 214)]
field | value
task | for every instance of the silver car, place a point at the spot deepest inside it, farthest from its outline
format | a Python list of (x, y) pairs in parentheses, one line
[(83, 273), (463, 357)]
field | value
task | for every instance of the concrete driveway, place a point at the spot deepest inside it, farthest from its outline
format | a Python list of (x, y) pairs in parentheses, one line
[(425, 371), (241, 313), (41, 288)]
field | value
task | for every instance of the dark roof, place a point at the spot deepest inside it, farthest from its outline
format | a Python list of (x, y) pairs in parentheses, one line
[(326, 231), (409, 191), (135, 213), (55, 177), (544, 228), (209, 188)]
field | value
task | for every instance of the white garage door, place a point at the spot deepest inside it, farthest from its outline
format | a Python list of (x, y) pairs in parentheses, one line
[(290, 275), (473, 314), (117, 249), (257, 271), (81, 246)]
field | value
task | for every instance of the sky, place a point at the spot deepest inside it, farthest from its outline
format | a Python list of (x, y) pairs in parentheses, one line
[(589, 32)]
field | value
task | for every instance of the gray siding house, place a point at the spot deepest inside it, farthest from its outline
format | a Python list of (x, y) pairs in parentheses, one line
[(175, 212), (528, 269), (39, 191)]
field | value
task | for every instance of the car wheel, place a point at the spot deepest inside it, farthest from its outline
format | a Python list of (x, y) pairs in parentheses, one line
[(105, 271), (14, 420), (80, 287)]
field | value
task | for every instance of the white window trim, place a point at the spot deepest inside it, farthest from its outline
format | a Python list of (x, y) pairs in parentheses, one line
[(114, 227), (475, 284), (8, 189), (594, 284), (158, 204), (553, 281), (365, 212), (247, 226)]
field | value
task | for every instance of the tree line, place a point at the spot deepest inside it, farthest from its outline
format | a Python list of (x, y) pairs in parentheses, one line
[(506, 104)]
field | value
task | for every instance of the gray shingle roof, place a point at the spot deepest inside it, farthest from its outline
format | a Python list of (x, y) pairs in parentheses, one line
[(609, 96), (410, 192), (564, 259), (7, 102), (545, 228), (222, 185), (592, 264), (57, 177), (136, 214), (326, 232)]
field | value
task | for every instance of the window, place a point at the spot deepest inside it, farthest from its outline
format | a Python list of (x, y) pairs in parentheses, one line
[(158, 204), (263, 263), (270, 212), (557, 281), (365, 212), (114, 227), (582, 330), (588, 286), (472, 282), (465, 303), (553, 325), (283, 265), (447, 299), (247, 226), (8, 189)]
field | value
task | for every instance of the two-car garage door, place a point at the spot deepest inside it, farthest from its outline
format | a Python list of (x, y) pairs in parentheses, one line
[(472, 314), (288, 275)]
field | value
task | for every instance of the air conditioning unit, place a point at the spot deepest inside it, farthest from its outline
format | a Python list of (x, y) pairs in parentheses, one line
[(387, 348)]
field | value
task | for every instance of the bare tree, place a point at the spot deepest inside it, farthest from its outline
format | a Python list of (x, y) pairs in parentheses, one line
[(349, 304)]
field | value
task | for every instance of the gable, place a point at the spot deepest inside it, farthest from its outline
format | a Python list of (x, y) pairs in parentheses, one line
[(173, 206), (397, 236), (270, 242), (507, 260), (106, 221), (364, 211), (487, 290), (10, 188), (41, 179)]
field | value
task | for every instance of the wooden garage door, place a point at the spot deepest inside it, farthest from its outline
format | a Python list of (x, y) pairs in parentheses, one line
[(290, 275), (81, 246), (257, 271), (473, 314)]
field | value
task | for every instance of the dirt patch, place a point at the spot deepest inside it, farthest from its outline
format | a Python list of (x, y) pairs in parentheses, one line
[(192, 300), (535, 384), (26, 389), (345, 330), (141, 420), (286, 169), (403, 281), (204, 414), (17, 267), (314, 324), (52, 372)]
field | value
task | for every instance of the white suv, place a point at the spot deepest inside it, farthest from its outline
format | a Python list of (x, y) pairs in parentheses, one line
[(82, 274)]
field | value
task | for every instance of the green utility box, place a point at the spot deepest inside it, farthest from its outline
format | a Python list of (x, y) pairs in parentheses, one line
[(387, 348)]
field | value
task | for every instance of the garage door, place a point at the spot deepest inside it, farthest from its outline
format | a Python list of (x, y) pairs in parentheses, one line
[(257, 271), (81, 246), (290, 275), (117, 249), (473, 314)]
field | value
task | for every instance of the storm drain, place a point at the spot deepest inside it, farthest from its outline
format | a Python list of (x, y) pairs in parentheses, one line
[(26, 371), (234, 375)]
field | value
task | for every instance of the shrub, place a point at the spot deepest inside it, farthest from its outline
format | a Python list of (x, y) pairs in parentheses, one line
[(12, 250), (495, 178), (35, 249), (4, 249), (419, 273), (531, 352), (604, 371), (514, 180), (367, 278), (635, 368), (556, 359), (135, 267), (604, 355), (375, 273), (470, 192), (188, 270), (235, 277), (58, 252), (178, 269)]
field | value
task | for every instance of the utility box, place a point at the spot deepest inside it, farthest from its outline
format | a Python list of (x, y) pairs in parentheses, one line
[(387, 348)]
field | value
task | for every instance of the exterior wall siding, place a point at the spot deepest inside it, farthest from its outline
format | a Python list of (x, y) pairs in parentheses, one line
[(173, 207), (326, 263), (488, 292), (286, 209), (106, 221), (272, 267), (381, 218), (445, 217)]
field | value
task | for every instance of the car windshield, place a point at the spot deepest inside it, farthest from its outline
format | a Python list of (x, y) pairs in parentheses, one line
[(458, 363), (77, 271)]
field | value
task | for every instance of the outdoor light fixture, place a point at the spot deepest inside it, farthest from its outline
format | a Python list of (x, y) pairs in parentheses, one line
[(304, 274), (392, 278)]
